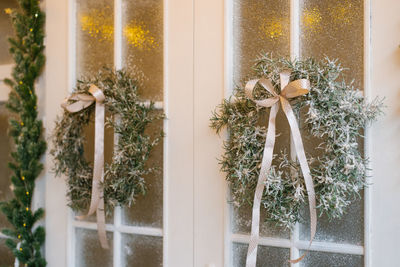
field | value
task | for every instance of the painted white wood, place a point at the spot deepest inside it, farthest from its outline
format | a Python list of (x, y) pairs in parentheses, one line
[(302, 245), (208, 93), (137, 230), (5, 72), (179, 149), (367, 140), (294, 54), (56, 81), (228, 88), (384, 135)]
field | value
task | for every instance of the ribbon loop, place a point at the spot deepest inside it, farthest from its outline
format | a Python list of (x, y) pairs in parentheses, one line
[(288, 90), (97, 199)]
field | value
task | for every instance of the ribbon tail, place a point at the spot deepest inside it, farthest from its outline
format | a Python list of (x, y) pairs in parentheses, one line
[(265, 166), (298, 143), (101, 223), (97, 198)]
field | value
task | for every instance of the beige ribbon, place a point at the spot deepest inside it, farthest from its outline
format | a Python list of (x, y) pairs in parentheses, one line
[(288, 90), (83, 101)]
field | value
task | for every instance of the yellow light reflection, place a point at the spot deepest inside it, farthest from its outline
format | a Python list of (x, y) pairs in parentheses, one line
[(312, 19), (99, 24), (271, 28), (343, 12)]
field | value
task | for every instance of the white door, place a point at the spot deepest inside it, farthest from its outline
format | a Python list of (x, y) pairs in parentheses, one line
[(193, 52)]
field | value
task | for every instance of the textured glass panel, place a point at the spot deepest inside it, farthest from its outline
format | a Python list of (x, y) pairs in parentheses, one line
[(258, 26), (89, 252), (334, 28), (349, 229), (140, 250), (322, 259), (241, 217), (95, 35), (266, 256), (6, 257), (6, 30), (241, 224), (148, 209), (143, 43), (108, 153), (5, 172)]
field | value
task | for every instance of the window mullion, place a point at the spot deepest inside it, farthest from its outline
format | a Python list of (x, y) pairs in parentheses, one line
[(117, 248), (294, 53)]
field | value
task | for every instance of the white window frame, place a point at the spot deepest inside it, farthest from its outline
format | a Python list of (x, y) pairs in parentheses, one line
[(294, 243), (197, 50), (5, 72), (178, 157)]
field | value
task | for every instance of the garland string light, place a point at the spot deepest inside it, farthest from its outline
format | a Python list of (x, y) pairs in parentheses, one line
[(25, 239)]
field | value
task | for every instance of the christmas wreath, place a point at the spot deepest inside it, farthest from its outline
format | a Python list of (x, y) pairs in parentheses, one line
[(333, 113), (124, 178)]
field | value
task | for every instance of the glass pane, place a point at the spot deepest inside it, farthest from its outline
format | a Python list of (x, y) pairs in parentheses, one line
[(139, 250), (148, 209), (241, 224), (5, 172), (89, 252), (334, 28), (143, 44), (6, 30), (108, 153), (314, 259), (349, 229), (266, 256), (258, 26), (6, 257), (95, 35)]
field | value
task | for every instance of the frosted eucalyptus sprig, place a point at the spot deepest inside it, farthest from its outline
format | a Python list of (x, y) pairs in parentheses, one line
[(332, 117)]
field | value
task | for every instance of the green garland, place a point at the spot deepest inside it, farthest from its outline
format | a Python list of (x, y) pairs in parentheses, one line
[(129, 117), (27, 47), (333, 114)]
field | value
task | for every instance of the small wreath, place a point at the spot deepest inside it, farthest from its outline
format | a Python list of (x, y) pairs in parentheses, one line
[(124, 178), (333, 114)]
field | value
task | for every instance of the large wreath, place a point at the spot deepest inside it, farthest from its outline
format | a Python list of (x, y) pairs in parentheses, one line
[(124, 178), (333, 114)]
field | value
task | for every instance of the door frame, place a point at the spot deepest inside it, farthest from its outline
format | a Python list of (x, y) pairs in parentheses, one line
[(197, 76)]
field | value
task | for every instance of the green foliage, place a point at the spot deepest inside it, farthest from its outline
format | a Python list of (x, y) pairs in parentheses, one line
[(25, 239), (129, 118), (332, 117)]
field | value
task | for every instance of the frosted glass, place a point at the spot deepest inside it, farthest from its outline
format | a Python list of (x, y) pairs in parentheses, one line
[(139, 250), (95, 35), (349, 229), (89, 155), (6, 257), (241, 224), (6, 31), (334, 28), (266, 256), (89, 252), (322, 259), (143, 44), (148, 209), (241, 217), (6, 146), (258, 26)]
